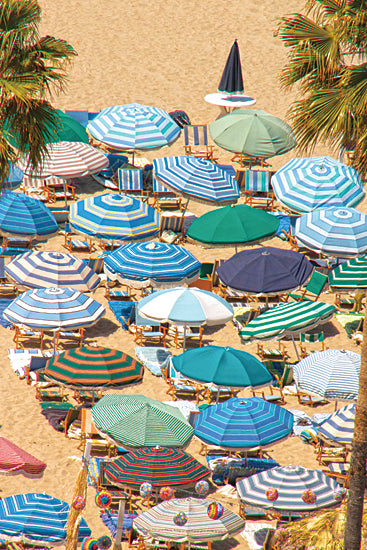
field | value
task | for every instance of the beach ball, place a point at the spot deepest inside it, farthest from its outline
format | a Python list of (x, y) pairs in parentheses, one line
[(103, 499), (78, 503), (145, 489), (104, 543), (89, 543), (202, 488), (166, 493), (180, 519), (308, 497), (272, 494), (215, 510), (340, 494)]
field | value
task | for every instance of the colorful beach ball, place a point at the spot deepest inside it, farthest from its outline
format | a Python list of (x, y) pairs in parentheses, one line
[(340, 494), (145, 489), (166, 493), (215, 510), (104, 542), (89, 543), (78, 503), (308, 497), (180, 519), (272, 494), (202, 488), (103, 499)]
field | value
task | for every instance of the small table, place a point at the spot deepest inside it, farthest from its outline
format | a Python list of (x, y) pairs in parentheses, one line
[(228, 103)]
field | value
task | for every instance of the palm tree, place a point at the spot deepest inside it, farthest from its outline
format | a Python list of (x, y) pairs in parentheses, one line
[(31, 67), (327, 50)]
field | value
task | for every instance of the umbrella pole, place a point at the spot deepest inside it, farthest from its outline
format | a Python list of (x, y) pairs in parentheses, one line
[(295, 348), (65, 191), (217, 400), (184, 339), (120, 523)]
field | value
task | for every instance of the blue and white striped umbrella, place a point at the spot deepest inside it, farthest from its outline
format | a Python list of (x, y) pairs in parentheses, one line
[(290, 482), (14, 178), (243, 423), (134, 126), (152, 264), (339, 427), (37, 518), (197, 179), (335, 231), (114, 217), (304, 184), (23, 216), (41, 269), (332, 374), (53, 309)]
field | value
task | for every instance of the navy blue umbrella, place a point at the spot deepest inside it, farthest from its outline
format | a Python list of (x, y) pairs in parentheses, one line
[(232, 81), (265, 270)]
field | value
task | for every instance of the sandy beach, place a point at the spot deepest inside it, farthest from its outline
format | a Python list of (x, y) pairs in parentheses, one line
[(170, 55)]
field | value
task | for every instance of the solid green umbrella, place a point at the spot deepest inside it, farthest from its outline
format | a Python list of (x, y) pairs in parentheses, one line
[(254, 133)]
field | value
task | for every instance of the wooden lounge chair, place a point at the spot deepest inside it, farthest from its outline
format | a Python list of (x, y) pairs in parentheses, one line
[(131, 182), (90, 433), (146, 335), (171, 229), (326, 453), (193, 334), (196, 141), (179, 386), (205, 279), (82, 396), (75, 337), (311, 400), (275, 354), (50, 392), (255, 188), (305, 337), (122, 292), (164, 198), (58, 189), (33, 338)]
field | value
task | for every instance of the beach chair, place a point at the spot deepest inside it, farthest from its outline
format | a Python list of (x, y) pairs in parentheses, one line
[(171, 229), (249, 162), (346, 301), (313, 289), (6, 287), (50, 392), (282, 374), (36, 366), (123, 292), (82, 396), (58, 189), (338, 471), (326, 453), (310, 400), (196, 141), (205, 279), (16, 242), (305, 337), (164, 198), (33, 338), (90, 433), (193, 334), (149, 334), (72, 243), (95, 263), (34, 187), (124, 312), (130, 181), (117, 493), (178, 385), (73, 337), (255, 188), (275, 354), (232, 295)]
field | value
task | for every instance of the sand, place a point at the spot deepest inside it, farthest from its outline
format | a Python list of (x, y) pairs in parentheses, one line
[(167, 54)]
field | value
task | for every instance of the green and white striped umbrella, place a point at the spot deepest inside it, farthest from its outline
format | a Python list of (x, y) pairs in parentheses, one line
[(351, 274), (287, 320)]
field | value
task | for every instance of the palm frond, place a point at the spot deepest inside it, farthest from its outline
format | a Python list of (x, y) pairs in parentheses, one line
[(54, 49)]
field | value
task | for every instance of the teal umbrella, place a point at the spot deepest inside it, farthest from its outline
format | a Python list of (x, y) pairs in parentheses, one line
[(253, 133)]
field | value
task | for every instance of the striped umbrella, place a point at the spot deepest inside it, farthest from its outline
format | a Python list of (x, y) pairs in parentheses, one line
[(243, 424), (158, 466), (137, 421), (152, 264), (13, 460), (53, 309), (37, 518), (197, 179), (41, 269), (134, 127), (287, 320), (15, 177), (332, 374), (94, 367), (291, 483), (334, 231), (339, 427), (23, 216), (114, 217), (351, 274), (159, 522), (304, 184)]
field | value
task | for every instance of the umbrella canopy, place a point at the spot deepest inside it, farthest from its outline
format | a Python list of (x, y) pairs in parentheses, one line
[(24, 216), (54, 309), (152, 264), (265, 270), (334, 231), (339, 427), (243, 423), (291, 482), (66, 160), (94, 367), (158, 466), (13, 460), (222, 367), (232, 81), (287, 320), (197, 179), (351, 274), (254, 133), (332, 374), (159, 522), (15, 177), (137, 421), (233, 225), (133, 126), (304, 184), (37, 518), (116, 217), (41, 269)]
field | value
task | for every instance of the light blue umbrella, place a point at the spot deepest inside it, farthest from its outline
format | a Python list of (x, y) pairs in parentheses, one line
[(134, 127), (152, 264), (23, 216), (243, 423), (37, 518), (304, 184), (339, 427), (197, 179), (114, 217)]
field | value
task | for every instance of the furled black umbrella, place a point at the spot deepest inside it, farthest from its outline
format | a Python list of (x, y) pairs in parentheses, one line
[(232, 81)]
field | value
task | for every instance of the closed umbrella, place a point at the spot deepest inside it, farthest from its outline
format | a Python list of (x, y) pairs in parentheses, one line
[(339, 427), (351, 274), (231, 81), (14, 460)]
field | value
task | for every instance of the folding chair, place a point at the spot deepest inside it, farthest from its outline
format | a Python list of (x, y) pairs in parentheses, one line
[(6, 288), (313, 288), (23, 336), (117, 494), (179, 385), (276, 354), (196, 141), (193, 334), (122, 293), (58, 188), (72, 243), (34, 187), (130, 180), (75, 337), (90, 433), (305, 337), (255, 188), (164, 197), (171, 229), (94, 263), (16, 242), (245, 160), (205, 279), (310, 400)]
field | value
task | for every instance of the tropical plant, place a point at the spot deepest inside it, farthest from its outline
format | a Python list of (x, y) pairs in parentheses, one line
[(327, 62), (31, 67)]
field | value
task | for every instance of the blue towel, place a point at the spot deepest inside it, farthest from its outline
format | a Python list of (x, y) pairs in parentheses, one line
[(3, 305), (123, 311), (110, 521), (4, 251)]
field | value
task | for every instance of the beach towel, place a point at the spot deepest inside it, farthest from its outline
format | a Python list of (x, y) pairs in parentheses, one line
[(93, 471), (255, 533), (55, 417), (20, 359), (186, 407), (123, 311), (110, 521), (351, 322), (152, 358)]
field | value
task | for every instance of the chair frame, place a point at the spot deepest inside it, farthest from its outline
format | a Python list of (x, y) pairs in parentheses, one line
[(196, 149), (257, 199)]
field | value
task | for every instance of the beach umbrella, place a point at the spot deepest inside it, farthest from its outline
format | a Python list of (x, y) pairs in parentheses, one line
[(197, 179), (53, 309), (23, 216), (351, 274), (155, 465), (233, 225), (152, 264), (133, 127), (114, 217), (253, 133), (339, 427), (231, 81), (243, 423), (42, 269), (93, 367), (332, 374), (289, 488), (13, 460), (37, 518), (15, 177), (265, 270), (137, 421), (333, 231), (287, 320), (163, 521), (304, 184)]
